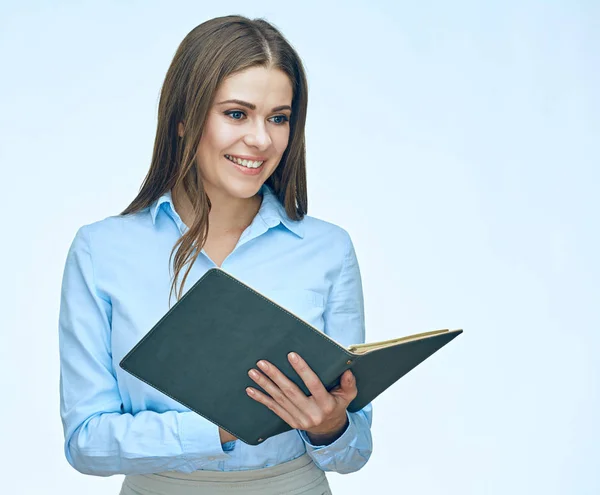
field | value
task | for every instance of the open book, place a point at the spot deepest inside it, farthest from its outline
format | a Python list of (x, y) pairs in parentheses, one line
[(200, 351), (372, 346)]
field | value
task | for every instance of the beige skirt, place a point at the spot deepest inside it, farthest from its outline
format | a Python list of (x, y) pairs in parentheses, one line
[(298, 476)]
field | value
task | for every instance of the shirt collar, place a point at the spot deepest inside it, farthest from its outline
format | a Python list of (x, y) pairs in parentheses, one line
[(155, 207), (271, 211)]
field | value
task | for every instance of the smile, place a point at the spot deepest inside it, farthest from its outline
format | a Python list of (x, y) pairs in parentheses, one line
[(244, 163)]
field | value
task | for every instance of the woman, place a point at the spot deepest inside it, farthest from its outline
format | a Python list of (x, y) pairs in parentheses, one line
[(226, 187)]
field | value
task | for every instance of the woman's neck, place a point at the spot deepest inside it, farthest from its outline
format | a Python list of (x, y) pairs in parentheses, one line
[(227, 214)]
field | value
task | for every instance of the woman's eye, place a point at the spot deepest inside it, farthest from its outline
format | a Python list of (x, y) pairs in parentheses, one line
[(281, 122), (233, 112)]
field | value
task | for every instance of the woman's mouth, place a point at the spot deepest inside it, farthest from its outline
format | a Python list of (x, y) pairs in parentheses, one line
[(244, 163), (247, 167)]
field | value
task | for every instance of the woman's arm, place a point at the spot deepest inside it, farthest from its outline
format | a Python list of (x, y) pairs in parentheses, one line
[(345, 323), (101, 439)]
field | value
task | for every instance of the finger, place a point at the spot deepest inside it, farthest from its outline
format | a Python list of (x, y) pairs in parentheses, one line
[(276, 393), (347, 390), (287, 386), (258, 396), (310, 379)]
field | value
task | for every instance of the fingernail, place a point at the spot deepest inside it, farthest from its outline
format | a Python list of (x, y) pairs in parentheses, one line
[(293, 357), (253, 373), (263, 365), (250, 391)]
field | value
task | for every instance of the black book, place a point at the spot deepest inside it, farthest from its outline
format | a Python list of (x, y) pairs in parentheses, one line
[(199, 354)]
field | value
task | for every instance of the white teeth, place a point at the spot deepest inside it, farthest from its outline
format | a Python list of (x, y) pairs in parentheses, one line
[(245, 163)]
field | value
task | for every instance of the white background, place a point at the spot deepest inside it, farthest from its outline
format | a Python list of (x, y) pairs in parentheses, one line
[(457, 142)]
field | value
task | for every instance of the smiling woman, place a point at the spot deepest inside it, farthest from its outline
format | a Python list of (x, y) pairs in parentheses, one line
[(253, 140), (226, 187)]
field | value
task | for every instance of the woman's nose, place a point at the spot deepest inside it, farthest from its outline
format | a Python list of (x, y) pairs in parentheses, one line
[(259, 136)]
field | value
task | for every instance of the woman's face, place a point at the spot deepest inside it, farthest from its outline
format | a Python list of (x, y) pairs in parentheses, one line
[(255, 128)]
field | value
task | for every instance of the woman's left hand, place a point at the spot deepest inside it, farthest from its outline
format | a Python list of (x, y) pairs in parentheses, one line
[(322, 415)]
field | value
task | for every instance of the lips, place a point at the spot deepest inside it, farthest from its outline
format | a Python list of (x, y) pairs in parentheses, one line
[(248, 158), (246, 170), (237, 159)]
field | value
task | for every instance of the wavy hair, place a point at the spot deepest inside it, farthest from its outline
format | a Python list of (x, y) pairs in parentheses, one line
[(210, 53)]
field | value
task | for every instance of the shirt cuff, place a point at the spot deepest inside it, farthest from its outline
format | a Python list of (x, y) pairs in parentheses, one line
[(343, 441), (229, 446), (199, 438)]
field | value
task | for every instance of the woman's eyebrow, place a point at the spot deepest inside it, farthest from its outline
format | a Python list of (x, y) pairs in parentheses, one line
[(251, 106)]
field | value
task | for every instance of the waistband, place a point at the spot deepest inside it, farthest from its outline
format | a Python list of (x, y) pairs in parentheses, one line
[(300, 475), (246, 475)]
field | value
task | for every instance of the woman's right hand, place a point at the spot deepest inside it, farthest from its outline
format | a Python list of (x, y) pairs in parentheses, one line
[(225, 436)]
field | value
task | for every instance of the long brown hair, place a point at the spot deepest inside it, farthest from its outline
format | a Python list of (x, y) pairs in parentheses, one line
[(208, 54)]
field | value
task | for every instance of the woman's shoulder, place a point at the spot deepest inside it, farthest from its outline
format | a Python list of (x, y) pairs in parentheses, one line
[(327, 231), (113, 229)]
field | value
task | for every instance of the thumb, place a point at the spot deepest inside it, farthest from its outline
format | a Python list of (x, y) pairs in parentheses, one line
[(346, 390), (348, 383)]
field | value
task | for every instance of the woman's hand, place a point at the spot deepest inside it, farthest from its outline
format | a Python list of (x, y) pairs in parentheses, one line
[(225, 436), (322, 415)]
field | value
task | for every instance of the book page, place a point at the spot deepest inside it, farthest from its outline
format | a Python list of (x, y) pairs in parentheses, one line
[(362, 348)]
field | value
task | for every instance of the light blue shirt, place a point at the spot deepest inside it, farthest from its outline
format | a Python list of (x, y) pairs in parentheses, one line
[(115, 287)]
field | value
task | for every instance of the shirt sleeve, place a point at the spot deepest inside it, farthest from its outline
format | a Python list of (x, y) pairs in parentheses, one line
[(100, 438), (345, 322)]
